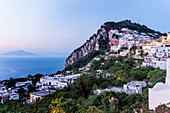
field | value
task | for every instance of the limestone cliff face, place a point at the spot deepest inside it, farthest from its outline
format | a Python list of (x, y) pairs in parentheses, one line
[(94, 43)]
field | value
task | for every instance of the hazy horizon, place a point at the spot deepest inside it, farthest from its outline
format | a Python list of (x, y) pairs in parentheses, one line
[(41, 54), (61, 26)]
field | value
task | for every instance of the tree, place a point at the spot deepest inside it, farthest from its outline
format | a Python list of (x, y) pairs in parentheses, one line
[(55, 106), (81, 101), (113, 105), (29, 76), (131, 99), (70, 105), (36, 78), (83, 86), (93, 109), (21, 92), (141, 53), (157, 76), (104, 102), (31, 88), (139, 73), (95, 65), (94, 88), (162, 109)]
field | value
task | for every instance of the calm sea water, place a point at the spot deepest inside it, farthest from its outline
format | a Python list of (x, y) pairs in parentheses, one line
[(21, 67)]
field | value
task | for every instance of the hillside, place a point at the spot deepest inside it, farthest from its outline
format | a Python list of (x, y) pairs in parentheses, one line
[(100, 40)]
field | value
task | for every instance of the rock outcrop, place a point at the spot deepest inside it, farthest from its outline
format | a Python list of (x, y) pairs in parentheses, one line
[(95, 43)]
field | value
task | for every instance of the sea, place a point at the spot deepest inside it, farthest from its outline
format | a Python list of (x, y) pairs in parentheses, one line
[(22, 67)]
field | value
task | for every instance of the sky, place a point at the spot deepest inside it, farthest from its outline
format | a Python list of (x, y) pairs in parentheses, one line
[(60, 26)]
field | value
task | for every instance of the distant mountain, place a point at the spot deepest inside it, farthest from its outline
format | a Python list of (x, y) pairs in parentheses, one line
[(18, 53)]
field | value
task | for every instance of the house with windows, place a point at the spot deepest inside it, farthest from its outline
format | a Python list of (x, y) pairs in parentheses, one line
[(129, 88), (2, 88), (114, 42), (136, 86), (57, 82), (157, 56), (114, 45), (8, 96), (40, 95)]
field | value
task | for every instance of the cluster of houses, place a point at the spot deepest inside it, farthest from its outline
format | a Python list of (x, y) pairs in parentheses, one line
[(153, 51), (47, 85), (57, 82), (129, 88), (157, 56), (127, 38), (157, 52), (7, 95)]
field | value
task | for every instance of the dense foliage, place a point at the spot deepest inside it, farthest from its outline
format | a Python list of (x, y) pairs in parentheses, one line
[(80, 97), (83, 61), (132, 26)]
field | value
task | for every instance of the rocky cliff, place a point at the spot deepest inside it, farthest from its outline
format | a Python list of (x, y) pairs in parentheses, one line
[(95, 43), (100, 40)]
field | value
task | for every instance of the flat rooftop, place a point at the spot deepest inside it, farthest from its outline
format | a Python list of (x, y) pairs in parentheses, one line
[(43, 93), (68, 76)]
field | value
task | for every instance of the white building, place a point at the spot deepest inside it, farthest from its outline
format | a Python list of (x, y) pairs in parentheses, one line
[(157, 56), (2, 88), (115, 89), (9, 96), (17, 84), (124, 52), (112, 32), (40, 95), (58, 81), (146, 49), (160, 93), (114, 48), (154, 62), (162, 50), (137, 86), (138, 51), (129, 88)]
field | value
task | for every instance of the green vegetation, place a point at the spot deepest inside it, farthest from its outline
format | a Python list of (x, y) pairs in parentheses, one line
[(77, 98), (80, 97), (133, 26), (83, 61)]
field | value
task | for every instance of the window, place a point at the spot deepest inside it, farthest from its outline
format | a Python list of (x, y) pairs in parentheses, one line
[(156, 50), (168, 50), (49, 83), (163, 50), (161, 45), (167, 45)]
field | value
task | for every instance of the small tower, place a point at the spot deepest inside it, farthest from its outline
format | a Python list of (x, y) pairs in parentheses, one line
[(168, 71)]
